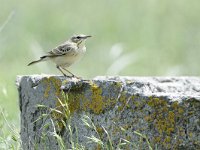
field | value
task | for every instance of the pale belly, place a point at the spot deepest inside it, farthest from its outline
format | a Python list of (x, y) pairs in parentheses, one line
[(66, 60)]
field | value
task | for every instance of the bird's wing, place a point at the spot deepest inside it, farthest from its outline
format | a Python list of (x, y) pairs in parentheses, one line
[(63, 49)]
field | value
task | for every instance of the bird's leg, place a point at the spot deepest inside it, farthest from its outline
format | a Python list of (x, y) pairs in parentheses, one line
[(59, 68), (70, 73)]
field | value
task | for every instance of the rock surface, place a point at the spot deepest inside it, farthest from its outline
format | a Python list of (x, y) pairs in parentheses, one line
[(114, 112)]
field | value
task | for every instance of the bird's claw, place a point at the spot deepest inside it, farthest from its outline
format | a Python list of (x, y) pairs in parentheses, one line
[(73, 76), (66, 76)]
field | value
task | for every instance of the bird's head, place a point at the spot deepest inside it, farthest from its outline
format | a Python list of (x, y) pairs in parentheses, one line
[(81, 38)]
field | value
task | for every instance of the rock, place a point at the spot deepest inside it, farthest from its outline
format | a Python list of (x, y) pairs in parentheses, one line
[(113, 112)]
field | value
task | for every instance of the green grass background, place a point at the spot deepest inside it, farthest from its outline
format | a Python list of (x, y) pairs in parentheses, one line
[(130, 37)]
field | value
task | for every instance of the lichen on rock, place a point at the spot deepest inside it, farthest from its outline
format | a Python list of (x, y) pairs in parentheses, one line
[(161, 110)]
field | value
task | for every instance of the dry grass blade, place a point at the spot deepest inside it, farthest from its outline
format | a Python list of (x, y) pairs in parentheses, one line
[(7, 21), (110, 145), (95, 140)]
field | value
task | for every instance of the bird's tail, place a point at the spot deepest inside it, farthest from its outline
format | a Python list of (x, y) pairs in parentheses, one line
[(43, 58)]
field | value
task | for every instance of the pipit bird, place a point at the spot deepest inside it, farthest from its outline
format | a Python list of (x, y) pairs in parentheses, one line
[(66, 54)]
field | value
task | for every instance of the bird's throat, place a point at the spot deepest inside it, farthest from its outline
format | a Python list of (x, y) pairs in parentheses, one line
[(81, 44)]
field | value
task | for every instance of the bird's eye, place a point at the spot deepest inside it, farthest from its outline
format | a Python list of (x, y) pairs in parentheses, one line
[(78, 37)]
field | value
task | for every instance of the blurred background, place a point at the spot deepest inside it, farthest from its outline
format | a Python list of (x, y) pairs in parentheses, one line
[(131, 38)]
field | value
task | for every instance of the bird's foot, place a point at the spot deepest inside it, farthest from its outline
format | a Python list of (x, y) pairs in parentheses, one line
[(67, 76), (73, 76)]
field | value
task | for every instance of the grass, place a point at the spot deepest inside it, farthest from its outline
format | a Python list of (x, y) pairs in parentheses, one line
[(102, 142), (129, 38), (10, 140)]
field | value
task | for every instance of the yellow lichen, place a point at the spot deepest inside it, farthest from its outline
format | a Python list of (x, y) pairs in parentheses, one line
[(46, 93), (164, 117), (100, 130), (157, 139), (51, 82), (57, 113), (125, 101), (74, 101), (96, 104), (190, 134), (94, 101), (118, 84), (98, 147), (122, 100)]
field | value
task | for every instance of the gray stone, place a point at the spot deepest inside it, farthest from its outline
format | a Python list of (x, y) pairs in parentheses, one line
[(122, 112)]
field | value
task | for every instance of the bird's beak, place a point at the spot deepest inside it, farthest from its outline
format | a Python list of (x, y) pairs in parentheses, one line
[(87, 36)]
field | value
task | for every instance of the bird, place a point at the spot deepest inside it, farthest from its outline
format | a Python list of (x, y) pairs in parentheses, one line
[(66, 53)]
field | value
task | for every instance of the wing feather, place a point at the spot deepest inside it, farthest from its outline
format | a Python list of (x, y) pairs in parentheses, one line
[(63, 49)]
